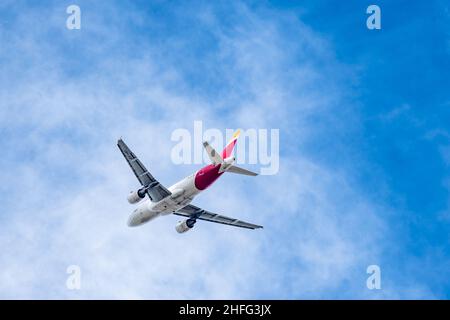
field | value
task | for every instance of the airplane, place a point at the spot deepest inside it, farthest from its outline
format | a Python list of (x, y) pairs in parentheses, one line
[(161, 201)]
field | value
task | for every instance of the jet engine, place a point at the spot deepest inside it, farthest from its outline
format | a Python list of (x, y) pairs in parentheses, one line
[(136, 196), (185, 225)]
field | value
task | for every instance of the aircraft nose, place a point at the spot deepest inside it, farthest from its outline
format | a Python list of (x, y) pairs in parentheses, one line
[(132, 221)]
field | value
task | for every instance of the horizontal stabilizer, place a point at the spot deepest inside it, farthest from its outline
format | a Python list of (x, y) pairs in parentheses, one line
[(212, 153), (239, 170)]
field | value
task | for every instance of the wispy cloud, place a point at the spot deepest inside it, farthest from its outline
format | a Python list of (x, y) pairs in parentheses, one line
[(66, 96)]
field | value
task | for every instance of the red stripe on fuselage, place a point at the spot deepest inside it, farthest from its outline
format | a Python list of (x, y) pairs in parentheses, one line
[(206, 176)]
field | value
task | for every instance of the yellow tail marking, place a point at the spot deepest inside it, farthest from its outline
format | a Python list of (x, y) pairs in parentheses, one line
[(236, 134)]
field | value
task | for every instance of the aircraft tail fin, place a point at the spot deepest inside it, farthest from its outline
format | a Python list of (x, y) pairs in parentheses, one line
[(239, 170), (230, 146), (226, 160), (212, 153)]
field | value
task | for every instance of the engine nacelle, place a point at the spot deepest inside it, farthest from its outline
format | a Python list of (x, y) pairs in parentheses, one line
[(136, 196), (185, 225)]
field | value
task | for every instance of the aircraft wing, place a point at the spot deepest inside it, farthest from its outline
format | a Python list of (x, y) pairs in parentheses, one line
[(155, 190), (194, 212)]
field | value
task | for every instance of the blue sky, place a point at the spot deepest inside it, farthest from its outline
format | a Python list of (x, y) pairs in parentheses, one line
[(364, 147)]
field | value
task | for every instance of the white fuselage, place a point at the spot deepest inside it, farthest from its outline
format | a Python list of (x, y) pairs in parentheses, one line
[(182, 194)]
